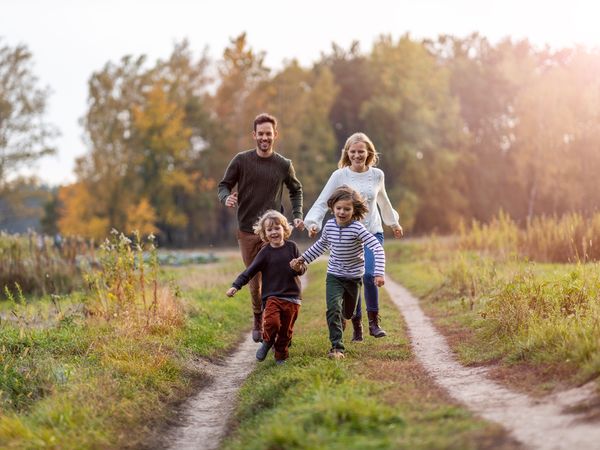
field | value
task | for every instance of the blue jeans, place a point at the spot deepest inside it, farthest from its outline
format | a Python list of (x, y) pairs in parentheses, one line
[(371, 291)]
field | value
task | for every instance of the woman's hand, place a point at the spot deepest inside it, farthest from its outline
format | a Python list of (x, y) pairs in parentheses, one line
[(379, 280), (398, 231), (312, 231)]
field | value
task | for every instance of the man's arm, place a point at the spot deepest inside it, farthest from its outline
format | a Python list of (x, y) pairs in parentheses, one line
[(229, 181), (295, 189)]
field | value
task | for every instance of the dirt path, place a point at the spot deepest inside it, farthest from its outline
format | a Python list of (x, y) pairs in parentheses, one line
[(548, 423), (206, 414)]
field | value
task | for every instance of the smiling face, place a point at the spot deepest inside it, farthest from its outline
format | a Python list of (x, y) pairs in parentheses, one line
[(343, 210), (264, 135), (357, 154), (275, 233)]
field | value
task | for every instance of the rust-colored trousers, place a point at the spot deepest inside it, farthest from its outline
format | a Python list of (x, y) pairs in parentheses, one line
[(279, 318), (250, 244)]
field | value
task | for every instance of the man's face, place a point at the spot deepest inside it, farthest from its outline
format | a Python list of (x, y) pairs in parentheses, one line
[(264, 136)]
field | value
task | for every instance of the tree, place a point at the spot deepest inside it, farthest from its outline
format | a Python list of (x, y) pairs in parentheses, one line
[(354, 80), (301, 99), (414, 121), (24, 136), (22, 204), (241, 70)]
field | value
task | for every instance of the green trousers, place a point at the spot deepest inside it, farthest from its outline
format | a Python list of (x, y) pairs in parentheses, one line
[(342, 295)]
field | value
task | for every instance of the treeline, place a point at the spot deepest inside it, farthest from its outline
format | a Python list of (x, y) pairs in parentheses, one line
[(465, 129)]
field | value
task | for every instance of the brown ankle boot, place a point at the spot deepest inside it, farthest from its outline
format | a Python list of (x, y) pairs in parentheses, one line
[(257, 328), (374, 329), (357, 335)]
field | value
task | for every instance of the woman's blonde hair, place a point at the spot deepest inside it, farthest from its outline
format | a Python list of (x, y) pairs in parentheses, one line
[(372, 155), (272, 216)]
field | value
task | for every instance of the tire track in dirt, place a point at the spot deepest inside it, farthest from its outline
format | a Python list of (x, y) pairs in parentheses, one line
[(206, 414), (551, 423)]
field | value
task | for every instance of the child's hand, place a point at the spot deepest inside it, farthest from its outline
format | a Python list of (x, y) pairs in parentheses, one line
[(231, 292), (296, 264), (379, 280), (312, 231)]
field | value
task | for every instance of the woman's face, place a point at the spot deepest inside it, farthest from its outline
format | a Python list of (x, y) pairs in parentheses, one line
[(357, 154)]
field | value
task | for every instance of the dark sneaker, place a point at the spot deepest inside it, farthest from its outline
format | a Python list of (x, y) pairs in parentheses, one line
[(336, 353), (262, 351), (280, 362)]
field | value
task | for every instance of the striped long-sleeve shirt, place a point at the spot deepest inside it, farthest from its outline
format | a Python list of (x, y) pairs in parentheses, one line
[(346, 244)]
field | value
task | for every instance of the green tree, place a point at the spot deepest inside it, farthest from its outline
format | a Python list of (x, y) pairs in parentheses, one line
[(486, 80), (24, 135), (414, 121), (354, 80), (301, 99)]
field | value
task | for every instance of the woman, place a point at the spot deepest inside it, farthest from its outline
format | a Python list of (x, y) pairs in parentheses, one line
[(356, 169)]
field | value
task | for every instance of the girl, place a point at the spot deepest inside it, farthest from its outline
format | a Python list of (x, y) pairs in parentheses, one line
[(346, 237), (356, 171), (281, 289)]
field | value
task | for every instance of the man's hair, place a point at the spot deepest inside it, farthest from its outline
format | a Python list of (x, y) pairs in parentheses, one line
[(359, 206), (372, 155), (272, 216), (265, 118)]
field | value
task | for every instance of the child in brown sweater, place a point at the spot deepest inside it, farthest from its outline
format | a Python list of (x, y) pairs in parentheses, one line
[(281, 288)]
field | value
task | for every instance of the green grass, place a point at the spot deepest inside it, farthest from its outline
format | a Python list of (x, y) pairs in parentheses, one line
[(85, 383), (376, 398), (507, 310)]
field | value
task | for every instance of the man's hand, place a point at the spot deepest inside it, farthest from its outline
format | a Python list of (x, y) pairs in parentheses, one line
[(296, 264), (398, 231), (379, 280), (232, 200), (299, 224), (231, 292), (312, 232)]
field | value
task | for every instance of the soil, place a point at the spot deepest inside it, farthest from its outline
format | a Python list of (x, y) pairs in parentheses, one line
[(204, 417), (563, 420)]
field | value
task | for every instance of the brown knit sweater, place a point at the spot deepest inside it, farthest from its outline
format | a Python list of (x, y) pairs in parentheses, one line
[(260, 186)]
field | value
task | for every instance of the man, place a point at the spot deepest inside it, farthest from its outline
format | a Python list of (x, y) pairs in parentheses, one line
[(260, 174)]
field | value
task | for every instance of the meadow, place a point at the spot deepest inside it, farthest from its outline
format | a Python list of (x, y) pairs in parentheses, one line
[(108, 364)]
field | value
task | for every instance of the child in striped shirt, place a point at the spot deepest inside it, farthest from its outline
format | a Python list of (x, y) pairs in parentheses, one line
[(345, 237)]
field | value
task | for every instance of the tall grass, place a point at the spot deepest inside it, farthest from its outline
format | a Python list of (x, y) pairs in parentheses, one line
[(125, 287), (39, 266), (507, 308), (570, 238)]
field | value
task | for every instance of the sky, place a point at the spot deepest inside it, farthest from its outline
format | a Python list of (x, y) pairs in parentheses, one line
[(70, 39)]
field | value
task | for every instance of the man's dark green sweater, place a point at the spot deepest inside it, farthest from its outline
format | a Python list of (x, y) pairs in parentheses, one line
[(260, 186)]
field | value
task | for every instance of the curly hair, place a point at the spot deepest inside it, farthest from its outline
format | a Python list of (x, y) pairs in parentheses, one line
[(372, 154), (265, 220), (359, 205)]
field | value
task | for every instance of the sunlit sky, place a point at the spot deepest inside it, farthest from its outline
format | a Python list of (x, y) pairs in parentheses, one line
[(70, 39)]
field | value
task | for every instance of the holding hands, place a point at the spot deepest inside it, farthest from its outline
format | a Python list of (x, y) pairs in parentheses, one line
[(379, 280), (297, 263)]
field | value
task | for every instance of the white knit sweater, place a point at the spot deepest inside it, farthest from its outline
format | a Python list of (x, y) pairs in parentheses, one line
[(371, 185)]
